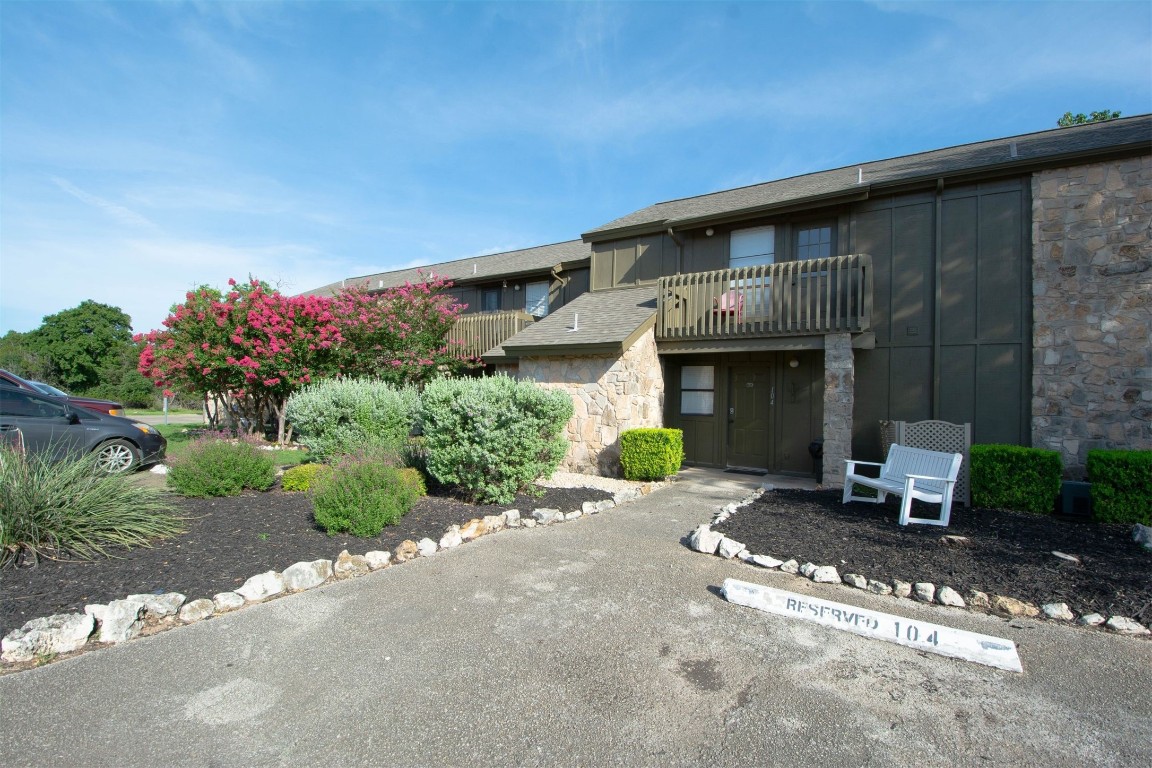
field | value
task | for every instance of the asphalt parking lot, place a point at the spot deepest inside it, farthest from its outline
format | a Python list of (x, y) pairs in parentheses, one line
[(601, 641)]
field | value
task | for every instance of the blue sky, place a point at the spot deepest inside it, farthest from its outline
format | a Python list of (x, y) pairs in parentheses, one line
[(147, 148)]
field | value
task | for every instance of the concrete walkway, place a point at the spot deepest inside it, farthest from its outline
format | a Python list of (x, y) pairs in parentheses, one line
[(601, 641)]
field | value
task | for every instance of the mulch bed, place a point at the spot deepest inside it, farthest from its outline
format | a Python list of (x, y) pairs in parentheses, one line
[(228, 540), (1008, 553)]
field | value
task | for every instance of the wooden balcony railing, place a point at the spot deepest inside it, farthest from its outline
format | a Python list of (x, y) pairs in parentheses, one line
[(815, 296), (475, 334)]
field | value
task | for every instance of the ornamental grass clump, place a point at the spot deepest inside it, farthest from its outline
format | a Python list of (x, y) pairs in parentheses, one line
[(492, 437), (363, 494), (340, 416), (68, 509), (219, 465)]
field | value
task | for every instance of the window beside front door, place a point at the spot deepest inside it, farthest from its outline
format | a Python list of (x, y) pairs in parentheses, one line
[(536, 299), (697, 390), (490, 300)]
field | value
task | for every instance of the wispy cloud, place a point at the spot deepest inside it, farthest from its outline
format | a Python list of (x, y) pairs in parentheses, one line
[(118, 212)]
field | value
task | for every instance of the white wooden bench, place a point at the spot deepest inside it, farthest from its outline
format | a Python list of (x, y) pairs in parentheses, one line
[(911, 473)]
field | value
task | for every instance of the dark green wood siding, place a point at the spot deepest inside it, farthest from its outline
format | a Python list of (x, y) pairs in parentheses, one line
[(964, 358)]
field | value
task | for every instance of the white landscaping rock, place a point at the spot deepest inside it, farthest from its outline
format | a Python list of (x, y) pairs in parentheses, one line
[(60, 633), (573, 515), (546, 515), (1010, 606), (378, 559), (826, 574), (764, 561), (227, 601), (949, 596), (196, 610), (512, 518), (451, 538), (473, 529), (901, 588), (878, 587), (790, 566), (426, 547), (350, 566), (527, 522), (159, 606), (729, 547), (1059, 611), (924, 591), (807, 570), (979, 600), (159, 469), (261, 586), (1142, 535), (855, 580), (307, 574), (1091, 619), (120, 621), (494, 523), (1126, 626), (705, 540), (589, 508)]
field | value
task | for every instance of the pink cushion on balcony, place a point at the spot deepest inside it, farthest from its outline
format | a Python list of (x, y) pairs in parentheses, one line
[(731, 302)]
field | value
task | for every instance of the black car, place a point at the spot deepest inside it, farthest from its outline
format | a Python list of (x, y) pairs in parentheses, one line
[(50, 426)]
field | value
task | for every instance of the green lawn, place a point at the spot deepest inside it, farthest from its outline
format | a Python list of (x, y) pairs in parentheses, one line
[(179, 435), (160, 412)]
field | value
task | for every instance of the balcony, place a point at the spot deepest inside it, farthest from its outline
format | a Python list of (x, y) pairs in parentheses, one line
[(791, 298), (477, 333)]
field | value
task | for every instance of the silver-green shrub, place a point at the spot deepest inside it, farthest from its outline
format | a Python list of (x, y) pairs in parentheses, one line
[(492, 437), (335, 417)]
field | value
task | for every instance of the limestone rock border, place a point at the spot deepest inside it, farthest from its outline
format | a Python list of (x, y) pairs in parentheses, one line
[(44, 638), (710, 542)]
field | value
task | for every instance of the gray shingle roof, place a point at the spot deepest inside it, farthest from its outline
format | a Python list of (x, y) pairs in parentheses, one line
[(1022, 151), (607, 319), (473, 269)]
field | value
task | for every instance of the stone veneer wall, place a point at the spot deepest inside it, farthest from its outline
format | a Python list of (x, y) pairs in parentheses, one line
[(1092, 303), (839, 396), (609, 395)]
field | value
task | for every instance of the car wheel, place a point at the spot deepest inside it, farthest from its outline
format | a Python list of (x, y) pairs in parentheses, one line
[(116, 456)]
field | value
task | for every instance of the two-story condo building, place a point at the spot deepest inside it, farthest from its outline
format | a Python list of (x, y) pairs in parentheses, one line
[(1006, 284)]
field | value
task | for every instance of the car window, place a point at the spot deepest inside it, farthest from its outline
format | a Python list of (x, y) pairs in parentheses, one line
[(15, 402)]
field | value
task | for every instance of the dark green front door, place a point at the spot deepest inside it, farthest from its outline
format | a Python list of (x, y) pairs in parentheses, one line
[(750, 404)]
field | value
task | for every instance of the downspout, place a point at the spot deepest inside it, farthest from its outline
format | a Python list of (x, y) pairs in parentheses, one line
[(938, 264), (555, 274)]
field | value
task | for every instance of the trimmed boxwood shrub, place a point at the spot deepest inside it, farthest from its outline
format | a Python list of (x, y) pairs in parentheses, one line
[(1121, 486), (1015, 477), (212, 465), (340, 416), (651, 453), (492, 437), (361, 496)]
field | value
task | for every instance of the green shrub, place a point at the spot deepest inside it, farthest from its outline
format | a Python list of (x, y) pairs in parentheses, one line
[(361, 497), (1121, 486), (211, 466), (301, 477), (492, 437), (414, 480), (68, 509), (651, 454), (1015, 477), (340, 416)]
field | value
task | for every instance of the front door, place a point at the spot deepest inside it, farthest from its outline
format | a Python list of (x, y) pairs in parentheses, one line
[(750, 401)]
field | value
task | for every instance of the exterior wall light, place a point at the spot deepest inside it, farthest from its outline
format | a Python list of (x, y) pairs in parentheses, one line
[(794, 362), (709, 232)]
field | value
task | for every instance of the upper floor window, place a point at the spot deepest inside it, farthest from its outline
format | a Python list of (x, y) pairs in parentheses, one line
[(536, 299), (814, 241), (490, 300), (750, 247)]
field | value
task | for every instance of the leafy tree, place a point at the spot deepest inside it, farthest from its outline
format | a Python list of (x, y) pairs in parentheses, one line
[(78, 342), (18, 355), (1080, 119), (254, 346)]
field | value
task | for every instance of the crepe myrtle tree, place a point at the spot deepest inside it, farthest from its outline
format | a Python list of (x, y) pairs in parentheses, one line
[(256, 346)]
